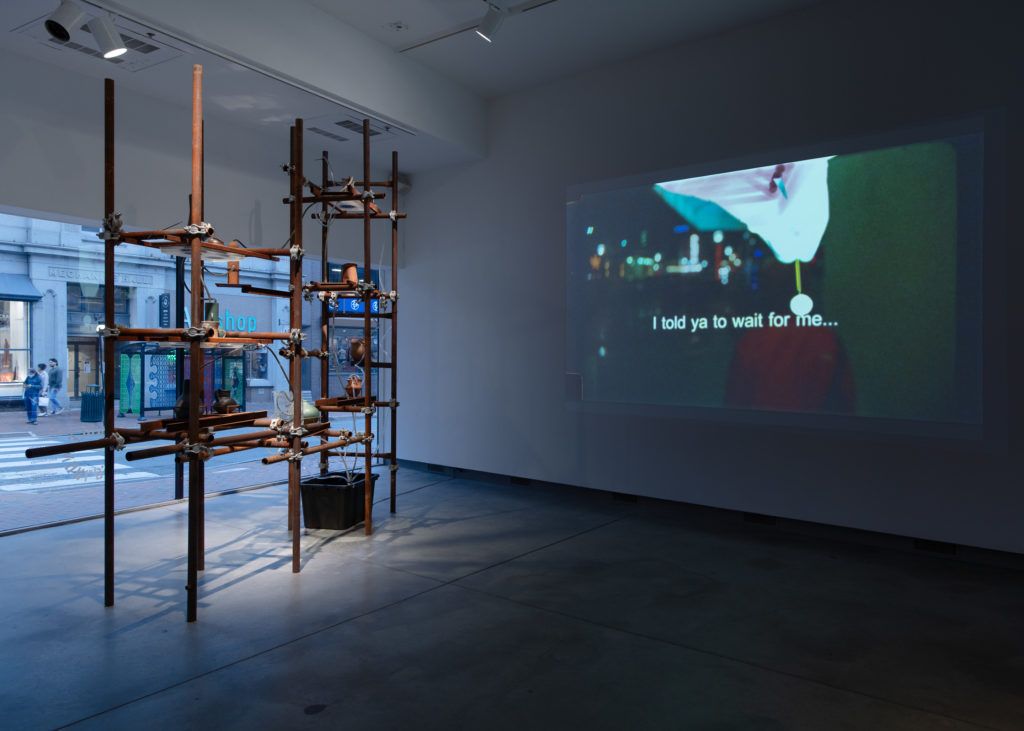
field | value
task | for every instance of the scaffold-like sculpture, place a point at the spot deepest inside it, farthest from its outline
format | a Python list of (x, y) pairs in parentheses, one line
[(191, 436)]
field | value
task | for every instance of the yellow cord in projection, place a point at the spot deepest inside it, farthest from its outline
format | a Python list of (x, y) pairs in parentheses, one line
[(799, 286)]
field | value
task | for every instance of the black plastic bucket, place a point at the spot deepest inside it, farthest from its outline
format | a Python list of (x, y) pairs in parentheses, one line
[(332, 501)]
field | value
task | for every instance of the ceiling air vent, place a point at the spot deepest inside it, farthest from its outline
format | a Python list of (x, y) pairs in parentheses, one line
[(143, 50), (71, 45), (356, 127), (325, 133)]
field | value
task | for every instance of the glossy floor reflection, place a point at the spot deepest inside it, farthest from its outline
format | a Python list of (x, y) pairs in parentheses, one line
[(482, 605)]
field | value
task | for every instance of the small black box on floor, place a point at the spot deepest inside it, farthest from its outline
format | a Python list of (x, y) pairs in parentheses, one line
[(333, 501)]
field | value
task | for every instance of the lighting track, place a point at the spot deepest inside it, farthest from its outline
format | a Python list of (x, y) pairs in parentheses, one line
[(472, 26)]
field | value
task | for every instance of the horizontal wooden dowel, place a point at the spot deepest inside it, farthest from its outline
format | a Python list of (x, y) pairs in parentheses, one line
[(328, 445), (53, 449), (267, 251), (255, 335), (138, 454), (275, 458), (236, 438), (250, 289), (327, 197), (354, 408), (360, 215), (173, 332), (330, 287), (228, 450)]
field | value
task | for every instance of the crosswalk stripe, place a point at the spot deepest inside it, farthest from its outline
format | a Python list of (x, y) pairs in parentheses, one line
[(78, 482), (77, 469), (55, 472), (54, 460)]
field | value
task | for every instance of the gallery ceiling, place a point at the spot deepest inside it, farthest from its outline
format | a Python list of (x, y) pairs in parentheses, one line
[(541, 39), (232, 92)]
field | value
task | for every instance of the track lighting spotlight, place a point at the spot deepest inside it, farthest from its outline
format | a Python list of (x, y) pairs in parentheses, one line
[(66, 18), (491, 22), (108, 40)]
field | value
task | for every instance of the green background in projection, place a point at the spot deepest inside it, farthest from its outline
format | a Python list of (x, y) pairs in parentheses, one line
[(890, 276)]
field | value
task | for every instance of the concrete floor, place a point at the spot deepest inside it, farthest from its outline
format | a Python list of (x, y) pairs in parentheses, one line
[(492, 606)]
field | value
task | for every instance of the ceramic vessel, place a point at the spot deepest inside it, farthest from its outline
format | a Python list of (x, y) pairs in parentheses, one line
[(223, 403), (354, 386), (356, 351), (181, 405)]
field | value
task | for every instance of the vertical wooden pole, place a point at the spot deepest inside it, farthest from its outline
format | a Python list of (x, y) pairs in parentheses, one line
[(195, 351), (292, 225), (179, 362), (109, 345), (199, 464), (367, 340), (295, 365), (393, 446), (324, 310)]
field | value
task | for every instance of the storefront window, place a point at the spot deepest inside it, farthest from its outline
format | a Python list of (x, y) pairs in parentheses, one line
[(14, 347), (86, 307)]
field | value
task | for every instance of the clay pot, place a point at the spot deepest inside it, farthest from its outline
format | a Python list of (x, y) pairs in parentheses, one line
[(354, 386), (349, 274), (181, 405), (356, 351), (223, 403)]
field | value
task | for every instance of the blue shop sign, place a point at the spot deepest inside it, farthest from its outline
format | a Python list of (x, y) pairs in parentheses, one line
[(353, 306)]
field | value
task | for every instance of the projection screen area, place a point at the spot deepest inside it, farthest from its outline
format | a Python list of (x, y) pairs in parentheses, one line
[(834, 289)]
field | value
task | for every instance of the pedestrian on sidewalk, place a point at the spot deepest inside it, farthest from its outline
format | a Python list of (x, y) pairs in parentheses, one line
[(56, 383), (44, 387), (32, 385)]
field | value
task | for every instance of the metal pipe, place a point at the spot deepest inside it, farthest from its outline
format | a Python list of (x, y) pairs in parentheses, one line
[(195, 351), (324, 309), (254, 335), (328, 445), (109, 191), (236, 438), (295, 365), (367, 340), (249, 289), (179, 362), (360, 215), (339, 197), (134, 333), (274, 459), (161, 451), (68, 448), (393, 441)]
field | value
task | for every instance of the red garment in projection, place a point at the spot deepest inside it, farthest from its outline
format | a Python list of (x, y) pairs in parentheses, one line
[(791, 369)]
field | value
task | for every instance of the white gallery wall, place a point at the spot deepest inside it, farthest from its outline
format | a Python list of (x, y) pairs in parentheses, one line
[(482, 383), (51, 155)]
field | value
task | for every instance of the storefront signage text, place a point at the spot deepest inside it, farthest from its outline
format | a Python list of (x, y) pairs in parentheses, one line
[(91, 276)]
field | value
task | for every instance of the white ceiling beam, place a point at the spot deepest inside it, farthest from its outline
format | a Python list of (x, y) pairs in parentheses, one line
[(298, 43)]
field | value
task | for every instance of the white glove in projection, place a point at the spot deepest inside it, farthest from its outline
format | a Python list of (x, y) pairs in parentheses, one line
[(786, 205)]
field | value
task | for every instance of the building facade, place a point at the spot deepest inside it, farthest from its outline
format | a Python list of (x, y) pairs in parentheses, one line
[(51, 302)]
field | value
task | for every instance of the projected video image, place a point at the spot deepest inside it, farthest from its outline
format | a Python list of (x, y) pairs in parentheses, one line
[(845, 284)]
